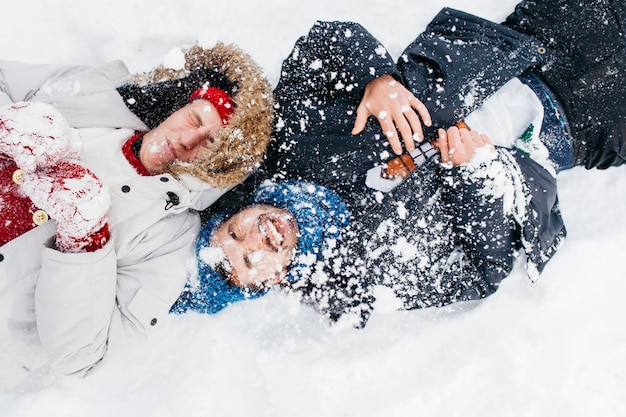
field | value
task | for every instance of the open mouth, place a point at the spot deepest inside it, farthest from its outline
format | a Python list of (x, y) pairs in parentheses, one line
[(275, 230)]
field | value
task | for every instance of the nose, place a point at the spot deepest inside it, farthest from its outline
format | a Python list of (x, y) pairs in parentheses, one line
[(190, 138), (254, 240), (187, 143)]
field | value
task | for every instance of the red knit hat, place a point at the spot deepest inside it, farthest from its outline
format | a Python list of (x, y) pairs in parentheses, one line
[(222, 101)]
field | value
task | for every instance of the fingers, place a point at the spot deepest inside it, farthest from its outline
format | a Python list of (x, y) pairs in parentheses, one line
[(486, 141), (465, 136), (407, 124), (362, 114), (421, 110), (465, 147), (390, 132), (442, 144), (453, 145), (481, 140), (410, 125), (406, 130), (458, 146), (477, 138), (414, 122), (399, 113)]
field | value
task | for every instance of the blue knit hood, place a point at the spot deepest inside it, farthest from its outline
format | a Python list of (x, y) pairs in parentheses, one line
[(320, 214)]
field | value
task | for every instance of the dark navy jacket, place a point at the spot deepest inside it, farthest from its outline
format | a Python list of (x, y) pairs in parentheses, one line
[(443, 235)]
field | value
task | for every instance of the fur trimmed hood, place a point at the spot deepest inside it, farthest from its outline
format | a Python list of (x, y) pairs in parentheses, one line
[(241, 144)]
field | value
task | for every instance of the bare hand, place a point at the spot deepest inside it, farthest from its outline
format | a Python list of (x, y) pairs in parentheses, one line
[(459, 145), (395, 108)]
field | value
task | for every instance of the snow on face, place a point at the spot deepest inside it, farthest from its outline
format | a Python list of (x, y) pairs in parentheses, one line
[(212, 255), (259, 243)]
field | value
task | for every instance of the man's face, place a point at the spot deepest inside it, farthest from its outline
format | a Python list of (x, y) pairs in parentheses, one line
[(259, 243), (180, 136)]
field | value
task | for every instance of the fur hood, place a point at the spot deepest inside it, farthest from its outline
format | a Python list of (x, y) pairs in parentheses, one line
[(242, 143)]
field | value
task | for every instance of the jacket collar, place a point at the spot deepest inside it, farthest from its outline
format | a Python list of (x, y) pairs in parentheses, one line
[(133, 157)]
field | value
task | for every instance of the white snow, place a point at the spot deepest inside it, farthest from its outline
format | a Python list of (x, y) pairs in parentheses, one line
[(553, 348)]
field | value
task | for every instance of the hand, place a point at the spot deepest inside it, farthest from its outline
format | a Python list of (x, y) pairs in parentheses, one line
[(36, 135), (459, 145), (395, 108), (73, 196)]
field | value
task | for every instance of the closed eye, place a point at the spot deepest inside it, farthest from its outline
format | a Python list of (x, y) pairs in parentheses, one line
[(235, 233), (196, 120), (247, 261)]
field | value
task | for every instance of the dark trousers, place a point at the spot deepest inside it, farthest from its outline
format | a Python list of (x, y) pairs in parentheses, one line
[(585, 68)]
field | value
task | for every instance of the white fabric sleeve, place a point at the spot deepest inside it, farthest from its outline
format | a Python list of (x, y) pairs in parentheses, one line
[(506, 115), (86, 96)]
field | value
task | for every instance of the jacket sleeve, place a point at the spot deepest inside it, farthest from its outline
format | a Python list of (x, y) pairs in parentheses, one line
[(480, 201), (444, 235), (542, 229), (449, 233), (21, 81), (88, 304), (460, 60), (509, 205), (324, 76), (86, 96)]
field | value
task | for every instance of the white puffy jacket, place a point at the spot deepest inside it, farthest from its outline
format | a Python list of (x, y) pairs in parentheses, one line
[(65, 310)]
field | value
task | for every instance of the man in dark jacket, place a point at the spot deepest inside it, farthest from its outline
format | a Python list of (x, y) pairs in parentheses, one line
[(443, 234)]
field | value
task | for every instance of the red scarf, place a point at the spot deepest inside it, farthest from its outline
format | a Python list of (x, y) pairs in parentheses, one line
[(131, 157)]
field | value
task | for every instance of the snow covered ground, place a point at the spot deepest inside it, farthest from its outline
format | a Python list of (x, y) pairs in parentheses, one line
[(554, 348)]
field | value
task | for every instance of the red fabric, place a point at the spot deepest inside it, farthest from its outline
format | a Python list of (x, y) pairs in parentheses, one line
[(16, 210), (222, 101), (96, 240), (129, 154)]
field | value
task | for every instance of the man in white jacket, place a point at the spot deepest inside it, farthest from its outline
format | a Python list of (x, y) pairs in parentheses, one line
[(122, 207)]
